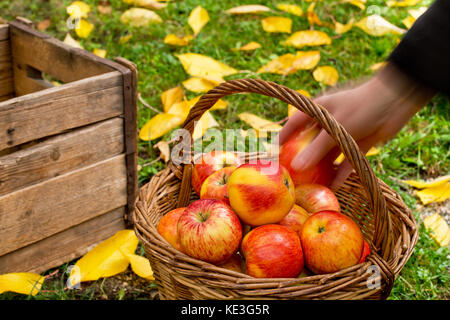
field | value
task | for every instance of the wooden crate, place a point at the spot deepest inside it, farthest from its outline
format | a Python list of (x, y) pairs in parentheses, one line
[(68, 175)]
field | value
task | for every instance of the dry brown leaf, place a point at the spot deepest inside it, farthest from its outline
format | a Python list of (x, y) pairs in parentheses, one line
[(327, 75), (164, 150), (289, 63), (252, 8), (44, 24), (198, 18), (305, 38), (104, 9), (277, 24)]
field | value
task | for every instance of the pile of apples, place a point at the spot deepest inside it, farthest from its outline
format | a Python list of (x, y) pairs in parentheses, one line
[(264, 219)]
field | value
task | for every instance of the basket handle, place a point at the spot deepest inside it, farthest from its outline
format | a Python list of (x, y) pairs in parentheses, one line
[(383, 226)]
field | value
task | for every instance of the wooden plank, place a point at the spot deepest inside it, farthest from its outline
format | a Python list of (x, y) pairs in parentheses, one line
[(57, 109), (4, 32), (64, 246), (46, 208), (6, 75), (51, 56), (60, 154)]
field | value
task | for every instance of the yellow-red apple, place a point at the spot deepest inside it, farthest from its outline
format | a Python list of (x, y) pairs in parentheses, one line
[(209, 163), (365, 252), (261, 193), (331, 241), (272, 251), (315, 197), (167, 227), (295, 219), (209, 230), (322, 173), (215, 186)]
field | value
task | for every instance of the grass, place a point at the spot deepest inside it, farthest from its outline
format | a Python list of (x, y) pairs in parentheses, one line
[(419, 151)]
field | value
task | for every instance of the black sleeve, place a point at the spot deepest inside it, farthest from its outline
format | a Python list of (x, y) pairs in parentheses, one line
[(424, 51)]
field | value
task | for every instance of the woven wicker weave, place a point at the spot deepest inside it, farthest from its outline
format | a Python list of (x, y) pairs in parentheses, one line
[(386, 222)]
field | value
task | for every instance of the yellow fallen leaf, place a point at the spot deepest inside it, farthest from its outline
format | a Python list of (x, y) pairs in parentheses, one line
[(72, 42), (139, 17), (402, 3), (438, 228), (327, 75), (357, 3), (78, 9), (291, 8), (219, 105), (340, 28), (277, 24), (201, 66), (196, 84), (177, 41), (428, 184), (372, 152), (171, 96), (376, 25), (148, 4), (23, 282), (106, 259), (291, 108), (408, 21), (262, 126), (206, 121), (434, 194), (100, 52), (313, 18), (84, 28), (158, 126), (141, 266), (125, 39), (198, 18), (289, 63), (378, 66), (252, 8), (305, 38), (416, 13), (249, 46), (181, 110)]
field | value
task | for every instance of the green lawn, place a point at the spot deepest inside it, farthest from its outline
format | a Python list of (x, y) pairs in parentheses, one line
[(420, 151)]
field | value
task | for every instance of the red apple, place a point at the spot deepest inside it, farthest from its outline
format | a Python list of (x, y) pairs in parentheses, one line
[(365, 253), (209, 163), (209, 230), (331, 241), (322, 173), (315, 197), (233, 264), (261, 193), (272, 251), (215, 186), (295, 219), (167, 227)]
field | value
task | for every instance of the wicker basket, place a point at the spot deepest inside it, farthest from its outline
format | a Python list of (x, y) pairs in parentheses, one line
[(387, 224)]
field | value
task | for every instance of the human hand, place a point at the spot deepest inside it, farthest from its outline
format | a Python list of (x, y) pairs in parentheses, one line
[(372, 113)]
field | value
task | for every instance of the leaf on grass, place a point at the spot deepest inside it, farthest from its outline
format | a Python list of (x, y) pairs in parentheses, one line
[(414, 14), (174, 40), (428, 184), (171, 96), (262, 126), (340, 28), (277, 24), (327, 75), (201, 66), (83, 28), (378, 66), (199, 85), (438, 228), (291, 8), (44, 24), (357, 3), (148, 4), (402, 3), (376, 25), (106, 259), (252, 8), (291, 108), (104, 9), (408, 21), (198, 18), (313, 18), (100, 52), (164, 150), (289, 63), (219, 105), (206, 122), (125, 39), (78, 9), (249, 46), (158, 126), (139, 17), (372, 152), (23, 282), (141, 266), (305, 38), (437, 190), (72, 42)]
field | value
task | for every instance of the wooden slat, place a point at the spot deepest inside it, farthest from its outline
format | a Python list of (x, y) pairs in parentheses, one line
[(57, 109), (60, 154), (43, 209), (4, 32), (6, 75), (63, 246), (51, 56)]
